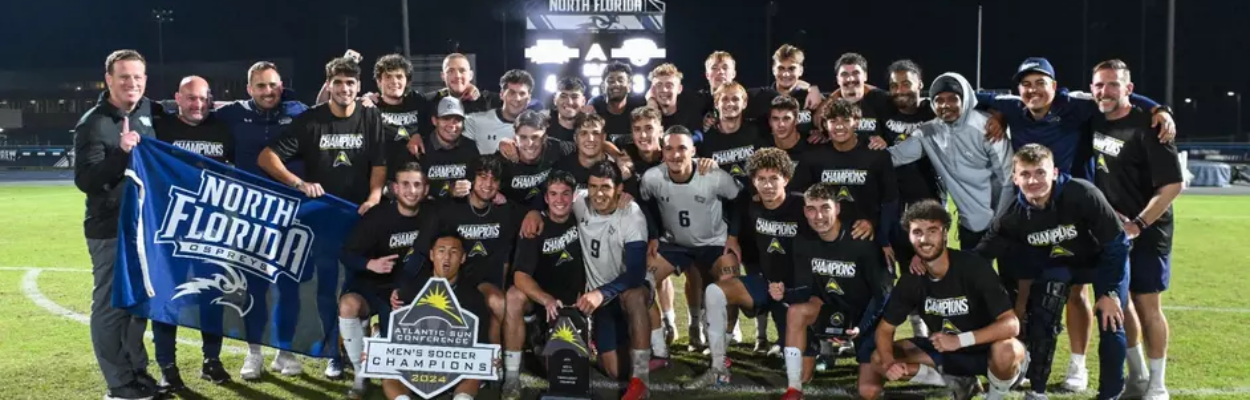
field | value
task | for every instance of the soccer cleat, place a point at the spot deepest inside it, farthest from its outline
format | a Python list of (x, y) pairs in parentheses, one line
[(144, 378), (214, 372), (697, 340), (1157, 394), (512, 387), (962, 387), (761, 346), (1077, 378), (1035, 396), (636, 390), (130, 391), (714, 377), (171, 380), (252, 366), (792, 394), (287, 364), (334, 368), (670, 333)]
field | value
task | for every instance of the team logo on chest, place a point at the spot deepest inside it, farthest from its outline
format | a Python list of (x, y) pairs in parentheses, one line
[(207, 149), (1054, 238), (1107, 144), (844, 176), (951, 307), (560, 245), (477, 233)]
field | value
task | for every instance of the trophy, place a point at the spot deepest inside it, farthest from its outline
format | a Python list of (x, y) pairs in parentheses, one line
[(568, 358)]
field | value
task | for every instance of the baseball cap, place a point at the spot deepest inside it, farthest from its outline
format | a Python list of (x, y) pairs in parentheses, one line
[(450, 106), (1035, 64)]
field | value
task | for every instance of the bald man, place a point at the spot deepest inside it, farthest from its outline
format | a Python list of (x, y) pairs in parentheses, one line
[(193, 128)]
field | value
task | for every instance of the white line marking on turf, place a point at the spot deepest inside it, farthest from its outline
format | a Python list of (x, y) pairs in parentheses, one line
[(30, 287), (1208, 309), (45, 269)]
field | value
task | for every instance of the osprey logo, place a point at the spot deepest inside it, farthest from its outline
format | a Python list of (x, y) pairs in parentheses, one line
[(232, 287), (236, 225), (432, 344)]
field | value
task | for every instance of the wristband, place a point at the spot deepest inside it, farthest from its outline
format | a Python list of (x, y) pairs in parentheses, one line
[(967, 339), (1141, 223)]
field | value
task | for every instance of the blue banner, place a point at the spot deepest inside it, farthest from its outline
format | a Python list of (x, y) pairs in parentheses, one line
[(206, 246)]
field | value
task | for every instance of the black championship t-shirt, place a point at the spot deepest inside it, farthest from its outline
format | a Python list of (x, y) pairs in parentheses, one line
[(487, 235), (759, 105), (865, 178), (210, 138), (796, 153), (554, 259), (339, 152), (555, 130), (732, 150), (845, 274), (1130, 165), (774, 230), (617, 126), (399, 123), (916, 180), (382, 232), (875, 106), (523, 183), (573, 166), (1069, 232), (444, 166), (967, 298), (689, 113)]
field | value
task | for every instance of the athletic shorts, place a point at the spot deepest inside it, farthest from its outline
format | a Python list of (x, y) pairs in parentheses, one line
[(1150, 270), (683, 257), (1075, 276), (472, 300), (377, 298), (611, 326), (971, 361)]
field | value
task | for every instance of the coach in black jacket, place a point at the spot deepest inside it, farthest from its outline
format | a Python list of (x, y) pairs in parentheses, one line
[(103, 140)]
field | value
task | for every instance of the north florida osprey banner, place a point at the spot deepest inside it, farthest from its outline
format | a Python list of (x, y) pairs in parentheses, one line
[(206, 246)]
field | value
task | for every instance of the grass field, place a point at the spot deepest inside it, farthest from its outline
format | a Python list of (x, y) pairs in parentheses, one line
[(47, 351)]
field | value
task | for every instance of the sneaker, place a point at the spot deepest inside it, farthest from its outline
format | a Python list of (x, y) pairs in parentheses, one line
[(670, 334), (286, 363), (1035, 396), (658, 363), (130, 391), (792, 394), (1135, 389), (512, 388), (334, 368), (636, 390), (252, 366), (962, 387), (714, 377), (144, 378), (736, 336), (761, 346), (171, 380), (1077, 378), (1157, 394), (214, 372)]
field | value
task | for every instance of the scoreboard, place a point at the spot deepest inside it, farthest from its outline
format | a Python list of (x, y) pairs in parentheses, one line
[(581, 37)]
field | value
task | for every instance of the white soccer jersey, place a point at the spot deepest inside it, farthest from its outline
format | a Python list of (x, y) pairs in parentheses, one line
[(603, 238), (487, 128), (692, 212)]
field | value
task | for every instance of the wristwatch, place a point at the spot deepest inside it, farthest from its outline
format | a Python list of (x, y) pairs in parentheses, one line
[(1141, 223), (297, 184), (1163, 108), (1112, 294)]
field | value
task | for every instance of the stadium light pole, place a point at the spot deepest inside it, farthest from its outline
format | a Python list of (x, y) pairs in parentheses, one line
[(407, 46), (1237, 96), (980, 11), (162, 16), (349, 22)]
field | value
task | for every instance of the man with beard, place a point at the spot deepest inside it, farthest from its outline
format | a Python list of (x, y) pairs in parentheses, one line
[(692, 222), (570, 99), (448, 153), (1068, 232), (1141, 178), (617, 102), (548, 273), (487, 128), (103, 140), (958, 293), (1053, 117), (380, 237), (917, 180), (775, 218), (400, 108), (867, 188), (198, 131), (838, 289), (258, 121), (458, 75)]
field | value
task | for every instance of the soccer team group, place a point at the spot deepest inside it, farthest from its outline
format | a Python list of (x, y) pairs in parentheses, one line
[(825, 211)]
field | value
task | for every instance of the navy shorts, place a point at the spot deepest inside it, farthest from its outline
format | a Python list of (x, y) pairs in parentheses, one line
[(757, 287), (378, 299), (1150, 270), (610, 325), (1075, 276), (970, 361), (683, 257)]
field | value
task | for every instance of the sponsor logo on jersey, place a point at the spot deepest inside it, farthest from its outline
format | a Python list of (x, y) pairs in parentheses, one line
[(349, 141), (207, 149), (1107, 144), (844, 176), (446, 172), (776, 228), (946, 307), (1053, 236), (402, 239)]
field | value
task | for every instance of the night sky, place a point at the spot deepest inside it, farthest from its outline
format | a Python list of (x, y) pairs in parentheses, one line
[(1212, 38)]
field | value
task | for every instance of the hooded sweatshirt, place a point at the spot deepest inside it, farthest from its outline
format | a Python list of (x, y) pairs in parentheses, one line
[(976, 172)]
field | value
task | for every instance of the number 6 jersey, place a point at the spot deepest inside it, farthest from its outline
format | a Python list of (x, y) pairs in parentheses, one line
[(691, 211)]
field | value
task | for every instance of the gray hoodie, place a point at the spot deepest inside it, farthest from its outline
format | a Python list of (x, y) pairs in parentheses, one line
[(976, 173)]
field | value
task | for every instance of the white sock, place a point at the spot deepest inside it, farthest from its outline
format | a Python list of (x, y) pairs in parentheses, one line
[(714, 300), (353, 333), (462, 396), (1157, 366), (511, 362), (918, 327), (999, 386), (1136, 364), (1078, 359), (926, 375), (642, 365), (254, 349), (794, 367), (659, 348), (670, 317)]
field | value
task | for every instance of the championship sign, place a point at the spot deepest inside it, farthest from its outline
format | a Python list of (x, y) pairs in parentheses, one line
[(432, 344)]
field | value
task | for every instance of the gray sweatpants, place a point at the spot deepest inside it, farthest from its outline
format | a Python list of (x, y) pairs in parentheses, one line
[(116, 335)]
